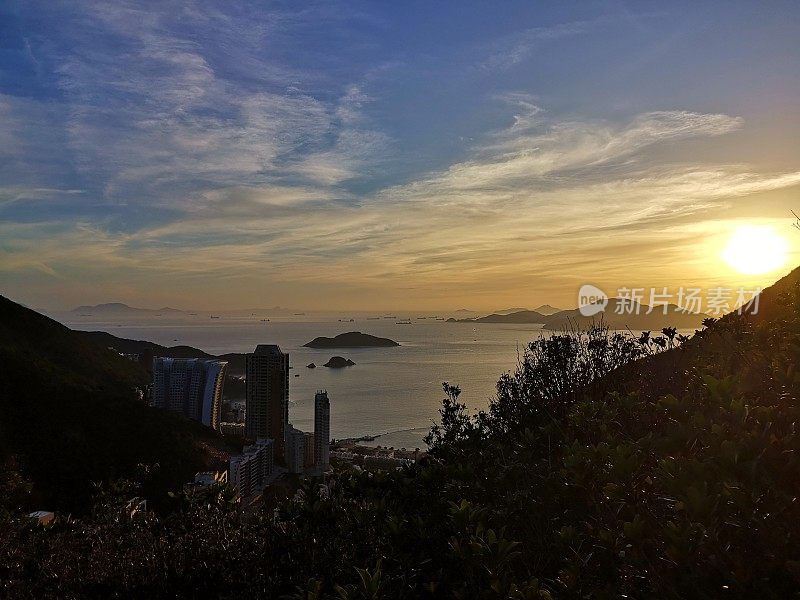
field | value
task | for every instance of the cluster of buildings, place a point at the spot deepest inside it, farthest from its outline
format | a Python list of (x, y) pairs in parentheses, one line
[(253, 469), (305, 450), (193, 387)]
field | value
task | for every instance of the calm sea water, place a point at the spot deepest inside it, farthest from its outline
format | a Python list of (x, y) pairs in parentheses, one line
[(394, 392)]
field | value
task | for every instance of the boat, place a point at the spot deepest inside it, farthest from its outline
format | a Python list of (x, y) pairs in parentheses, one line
[(265, 320), (214, 317), (407, 322)]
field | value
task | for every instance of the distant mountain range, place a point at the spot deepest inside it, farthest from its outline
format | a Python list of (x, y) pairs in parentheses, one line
[(547, 310), (118, 308), (635, 316), (522, 316), (544, 309)]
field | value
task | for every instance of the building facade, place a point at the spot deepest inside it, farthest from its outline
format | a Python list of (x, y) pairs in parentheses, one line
[(310, 444), (322, 430), (231, 429), (250, 471), (295, 450), (190, 386), (267, 395)]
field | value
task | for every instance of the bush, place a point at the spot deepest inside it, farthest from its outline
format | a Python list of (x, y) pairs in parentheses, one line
[(606, 466)]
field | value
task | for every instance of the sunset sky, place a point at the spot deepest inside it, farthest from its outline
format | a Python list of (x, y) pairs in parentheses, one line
[(379, 155)]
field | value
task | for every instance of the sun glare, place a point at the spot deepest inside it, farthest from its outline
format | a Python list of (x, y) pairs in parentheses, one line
[(755, 250)]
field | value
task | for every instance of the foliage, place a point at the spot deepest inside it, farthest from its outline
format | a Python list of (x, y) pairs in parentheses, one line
[(607, 466)]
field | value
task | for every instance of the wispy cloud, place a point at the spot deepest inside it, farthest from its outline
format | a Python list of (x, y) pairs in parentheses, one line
[(160, 112), (13, 194), (521, 200), (183, 153), (515, 48)]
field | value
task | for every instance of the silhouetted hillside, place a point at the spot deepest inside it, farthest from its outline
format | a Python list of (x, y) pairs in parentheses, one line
[(70, 416), (622, 315), (236, 361)]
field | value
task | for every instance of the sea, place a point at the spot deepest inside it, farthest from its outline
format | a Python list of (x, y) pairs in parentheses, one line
[(391, 393)]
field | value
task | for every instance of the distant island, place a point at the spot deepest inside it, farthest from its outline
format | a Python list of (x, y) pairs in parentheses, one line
[(339, 362), (507, 311), (547, 310), (636, 317), (351, 339), (118, 308), (544, 310), (522, 316)]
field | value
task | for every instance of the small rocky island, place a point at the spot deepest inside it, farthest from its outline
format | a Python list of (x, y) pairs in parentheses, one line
[(339, 362), (351, 339)]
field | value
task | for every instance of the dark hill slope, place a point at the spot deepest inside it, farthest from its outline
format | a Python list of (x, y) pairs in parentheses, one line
[(106, 340), (744, 345), (620, 315), (70, 417), (236, 361)]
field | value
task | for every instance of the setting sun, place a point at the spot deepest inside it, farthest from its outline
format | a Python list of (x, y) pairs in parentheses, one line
[(755, 250)]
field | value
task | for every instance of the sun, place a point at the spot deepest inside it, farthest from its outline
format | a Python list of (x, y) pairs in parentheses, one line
[(755, 250)]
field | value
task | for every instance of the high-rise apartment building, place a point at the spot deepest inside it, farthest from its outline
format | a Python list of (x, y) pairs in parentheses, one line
[(267, 393), (190, 386), (295, 450), (251, 470), (322, 430)]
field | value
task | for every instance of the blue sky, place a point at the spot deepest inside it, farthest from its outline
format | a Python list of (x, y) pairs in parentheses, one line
[(385, 154)]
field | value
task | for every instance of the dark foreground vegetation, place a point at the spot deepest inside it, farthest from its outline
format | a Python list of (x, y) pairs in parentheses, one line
[(69, 418), (607, 466)]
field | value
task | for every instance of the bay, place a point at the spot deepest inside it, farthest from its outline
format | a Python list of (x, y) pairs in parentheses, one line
[(394, 393)]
